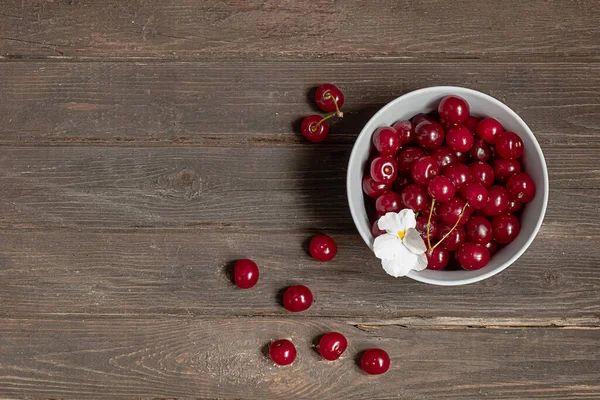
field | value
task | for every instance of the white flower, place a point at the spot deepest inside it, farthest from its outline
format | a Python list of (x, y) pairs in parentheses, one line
[(402, 248)]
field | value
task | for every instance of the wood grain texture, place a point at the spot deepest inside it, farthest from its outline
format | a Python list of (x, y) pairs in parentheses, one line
[(108, 358), (237, 104), (301, 29), (165, 272)]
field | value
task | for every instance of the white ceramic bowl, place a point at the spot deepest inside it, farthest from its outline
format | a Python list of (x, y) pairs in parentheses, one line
[(424, 101)]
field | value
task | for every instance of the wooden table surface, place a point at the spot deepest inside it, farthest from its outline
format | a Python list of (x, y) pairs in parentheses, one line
[(145, 145)]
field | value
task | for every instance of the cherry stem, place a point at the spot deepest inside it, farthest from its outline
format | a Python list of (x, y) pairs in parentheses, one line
[(337, 109), (450, 231), (429, 223), (315, 126)]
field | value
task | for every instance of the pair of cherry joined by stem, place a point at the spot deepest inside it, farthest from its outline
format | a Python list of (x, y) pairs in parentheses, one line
[(431, 248), (330, 99)]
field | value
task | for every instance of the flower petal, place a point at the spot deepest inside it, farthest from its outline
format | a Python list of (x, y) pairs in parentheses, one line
[(389, 223), (414, 242), (397, 267), (421, 263), (406, 219), (388, 246)]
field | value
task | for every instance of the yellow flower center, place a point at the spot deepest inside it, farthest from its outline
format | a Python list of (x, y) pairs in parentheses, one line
[(401, 234)]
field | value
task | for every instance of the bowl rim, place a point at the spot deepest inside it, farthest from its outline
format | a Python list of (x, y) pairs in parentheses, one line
[(457, 90)]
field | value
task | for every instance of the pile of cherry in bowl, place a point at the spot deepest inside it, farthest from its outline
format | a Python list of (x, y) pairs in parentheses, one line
[(460, 174)]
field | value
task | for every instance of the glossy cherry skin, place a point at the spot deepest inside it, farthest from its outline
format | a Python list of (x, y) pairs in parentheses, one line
[(402, 180), (520, 187), (245, 273), (444, 156), (322, 248), (437, 258), (384, 169), (407, 157), (313, 130), (455, 210), (506, 228), (513, 206), (441, 189), (324, 97), (471, 123), (375, 362), (488, 129), (332, 345), (459, 175), (375, 231), (462, 157), (454, 239), (459, 138), (406, 130), (386, 140), (479, 230), (415, 197), (509, 145), (421, 227), (480, 151), (424, 169), (492, 247), (454, 109), (504, 169), (482, 172), (388, 202), (429, 135), (417, 119), (372, 188), (282, 352), (473, 256), (297, 298), (435, 216), (497, 201), (475, 194)]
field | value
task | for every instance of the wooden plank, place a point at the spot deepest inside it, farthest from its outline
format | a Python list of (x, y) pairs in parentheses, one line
[(301, 29), (256, 103), (224, 358), (170, 272)]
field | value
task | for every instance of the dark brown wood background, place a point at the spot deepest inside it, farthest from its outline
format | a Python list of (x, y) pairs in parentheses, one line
[(145, 145)]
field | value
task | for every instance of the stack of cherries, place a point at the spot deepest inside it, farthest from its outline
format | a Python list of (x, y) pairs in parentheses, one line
[(460, 174)]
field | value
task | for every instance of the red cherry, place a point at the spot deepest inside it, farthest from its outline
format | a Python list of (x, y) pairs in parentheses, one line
[(435, 216), (297, 298), (458, 138), (497, 201), (372, 188), (325, 95), (282, 352), (444, 156), (245, 273), (332, 345), (482, 172), (406, 130), (471, 123), (480, 151), (375, 231), (488, 129), (473, 256), (421, 227), (415, 197), (504, 169), (454, 239), (475, 194), (401, 182), (322, 248), (459, 174), (429, 135), (492, 247), (417, 119), (437, 258), (513, 206), (441, 189), (509, 145), (375, 362), (454, 109), (521, 187), (389, 202), (386, 140), (506, 228), (461, 157), (479, 230), (451, 211), (383, 169), (424, 169), (314, 128), (407, 157)]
